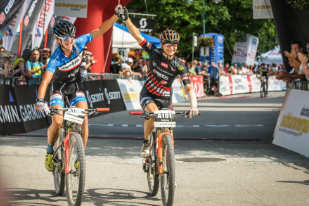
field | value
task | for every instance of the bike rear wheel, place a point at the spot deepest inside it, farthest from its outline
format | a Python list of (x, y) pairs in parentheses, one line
[(75, 179), (58, 172), (167, 179), (152, 172), (262, 89)]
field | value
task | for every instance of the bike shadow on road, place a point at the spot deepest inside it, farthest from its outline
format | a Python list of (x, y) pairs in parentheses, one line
[(126, 149), (32, 197), (96, 196)]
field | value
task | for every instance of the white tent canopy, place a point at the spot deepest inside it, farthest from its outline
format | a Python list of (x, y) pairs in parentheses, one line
[(123, 39), (272, 57)]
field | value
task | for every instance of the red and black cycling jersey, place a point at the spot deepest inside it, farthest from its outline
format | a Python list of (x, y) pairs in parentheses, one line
[(162, 72)]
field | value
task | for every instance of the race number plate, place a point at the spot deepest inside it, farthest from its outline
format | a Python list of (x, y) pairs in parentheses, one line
[(75, 115), (165, 119)]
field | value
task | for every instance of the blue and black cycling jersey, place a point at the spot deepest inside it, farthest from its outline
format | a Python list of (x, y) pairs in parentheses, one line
[(66, 70)]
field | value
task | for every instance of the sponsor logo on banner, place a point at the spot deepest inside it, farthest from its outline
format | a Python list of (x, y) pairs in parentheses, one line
[(293, 125), (73, 8), (145, 25)]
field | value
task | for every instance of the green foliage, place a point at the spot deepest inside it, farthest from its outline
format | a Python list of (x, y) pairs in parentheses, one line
[(232, 18), (299, 4)]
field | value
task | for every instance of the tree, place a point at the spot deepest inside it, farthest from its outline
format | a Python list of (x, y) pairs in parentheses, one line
[(232, 18)]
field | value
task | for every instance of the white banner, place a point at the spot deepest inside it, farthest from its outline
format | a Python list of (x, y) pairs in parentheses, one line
[(42, 22), (239, 84), (74, 8), (179, 94), (245, 51), (14, 26), (262, 9), (292, 129), (130, 91)]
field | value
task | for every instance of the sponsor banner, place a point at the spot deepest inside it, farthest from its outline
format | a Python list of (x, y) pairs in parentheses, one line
[(45, 16), (240, 84), (130, 91), (12, 28), (144, 24), (73, 8), (8, 10), (179, 93), (292, 129), (104, 93), (224, 85), (274, 84), (237, 84), (29, 21), (245, 51), (197, 83), (262, 9), (17, 110)]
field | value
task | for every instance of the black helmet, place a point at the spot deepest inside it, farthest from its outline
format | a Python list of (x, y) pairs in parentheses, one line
[(64, 29), (169, 36)]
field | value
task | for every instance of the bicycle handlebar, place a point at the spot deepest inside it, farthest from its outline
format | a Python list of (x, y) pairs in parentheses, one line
[(100, 109), (150, 114)]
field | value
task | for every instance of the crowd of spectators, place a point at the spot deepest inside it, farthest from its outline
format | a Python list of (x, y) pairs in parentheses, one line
[(30, 66), (136, 64)]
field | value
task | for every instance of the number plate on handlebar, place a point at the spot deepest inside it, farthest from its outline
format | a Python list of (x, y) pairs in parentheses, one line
[(165, 119), (75, 115)]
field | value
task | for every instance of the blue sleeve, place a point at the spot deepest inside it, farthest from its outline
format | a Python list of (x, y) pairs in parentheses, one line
[(81, 41), (52, 64)]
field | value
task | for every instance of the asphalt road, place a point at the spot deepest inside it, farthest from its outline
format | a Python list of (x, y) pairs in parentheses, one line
[(231, 164)]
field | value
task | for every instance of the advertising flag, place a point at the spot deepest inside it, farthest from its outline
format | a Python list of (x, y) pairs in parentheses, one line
[(8, 9), (12, 28), (29, 21), (42, 23)]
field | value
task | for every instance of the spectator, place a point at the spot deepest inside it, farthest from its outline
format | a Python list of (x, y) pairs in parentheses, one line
[(192, 68), (35, 68), (2, 49), (5, 65), (45, 54), (126, 69), (226, 68), (116, 63), (19, 66), (213, 72), (198, 68), (137, 67)]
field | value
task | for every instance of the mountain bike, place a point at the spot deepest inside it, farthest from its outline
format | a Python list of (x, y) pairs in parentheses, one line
[(69, 154), (160, 164)]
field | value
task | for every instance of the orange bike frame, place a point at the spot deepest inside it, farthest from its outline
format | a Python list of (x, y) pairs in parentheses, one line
[(160, 149)]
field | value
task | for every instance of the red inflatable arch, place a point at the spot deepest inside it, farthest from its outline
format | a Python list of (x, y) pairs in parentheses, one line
[(98, 11)]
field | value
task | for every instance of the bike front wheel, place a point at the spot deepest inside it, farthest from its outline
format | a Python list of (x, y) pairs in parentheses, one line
[(167, 179), (75, 178), (58, 172), (152, 172)]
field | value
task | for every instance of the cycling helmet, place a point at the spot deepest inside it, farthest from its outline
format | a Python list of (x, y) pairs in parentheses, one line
[(169, 36), (64, 29)]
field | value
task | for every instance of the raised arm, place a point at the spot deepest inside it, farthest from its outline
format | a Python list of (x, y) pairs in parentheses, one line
[(106, 25), (134, 31)]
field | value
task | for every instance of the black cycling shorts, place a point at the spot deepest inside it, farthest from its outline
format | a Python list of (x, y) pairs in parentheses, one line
[(146, 98)]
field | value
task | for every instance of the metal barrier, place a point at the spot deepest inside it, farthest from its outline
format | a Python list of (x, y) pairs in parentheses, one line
[(300, 84)]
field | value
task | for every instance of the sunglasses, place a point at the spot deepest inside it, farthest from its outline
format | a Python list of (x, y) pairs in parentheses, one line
[(66, 38)]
